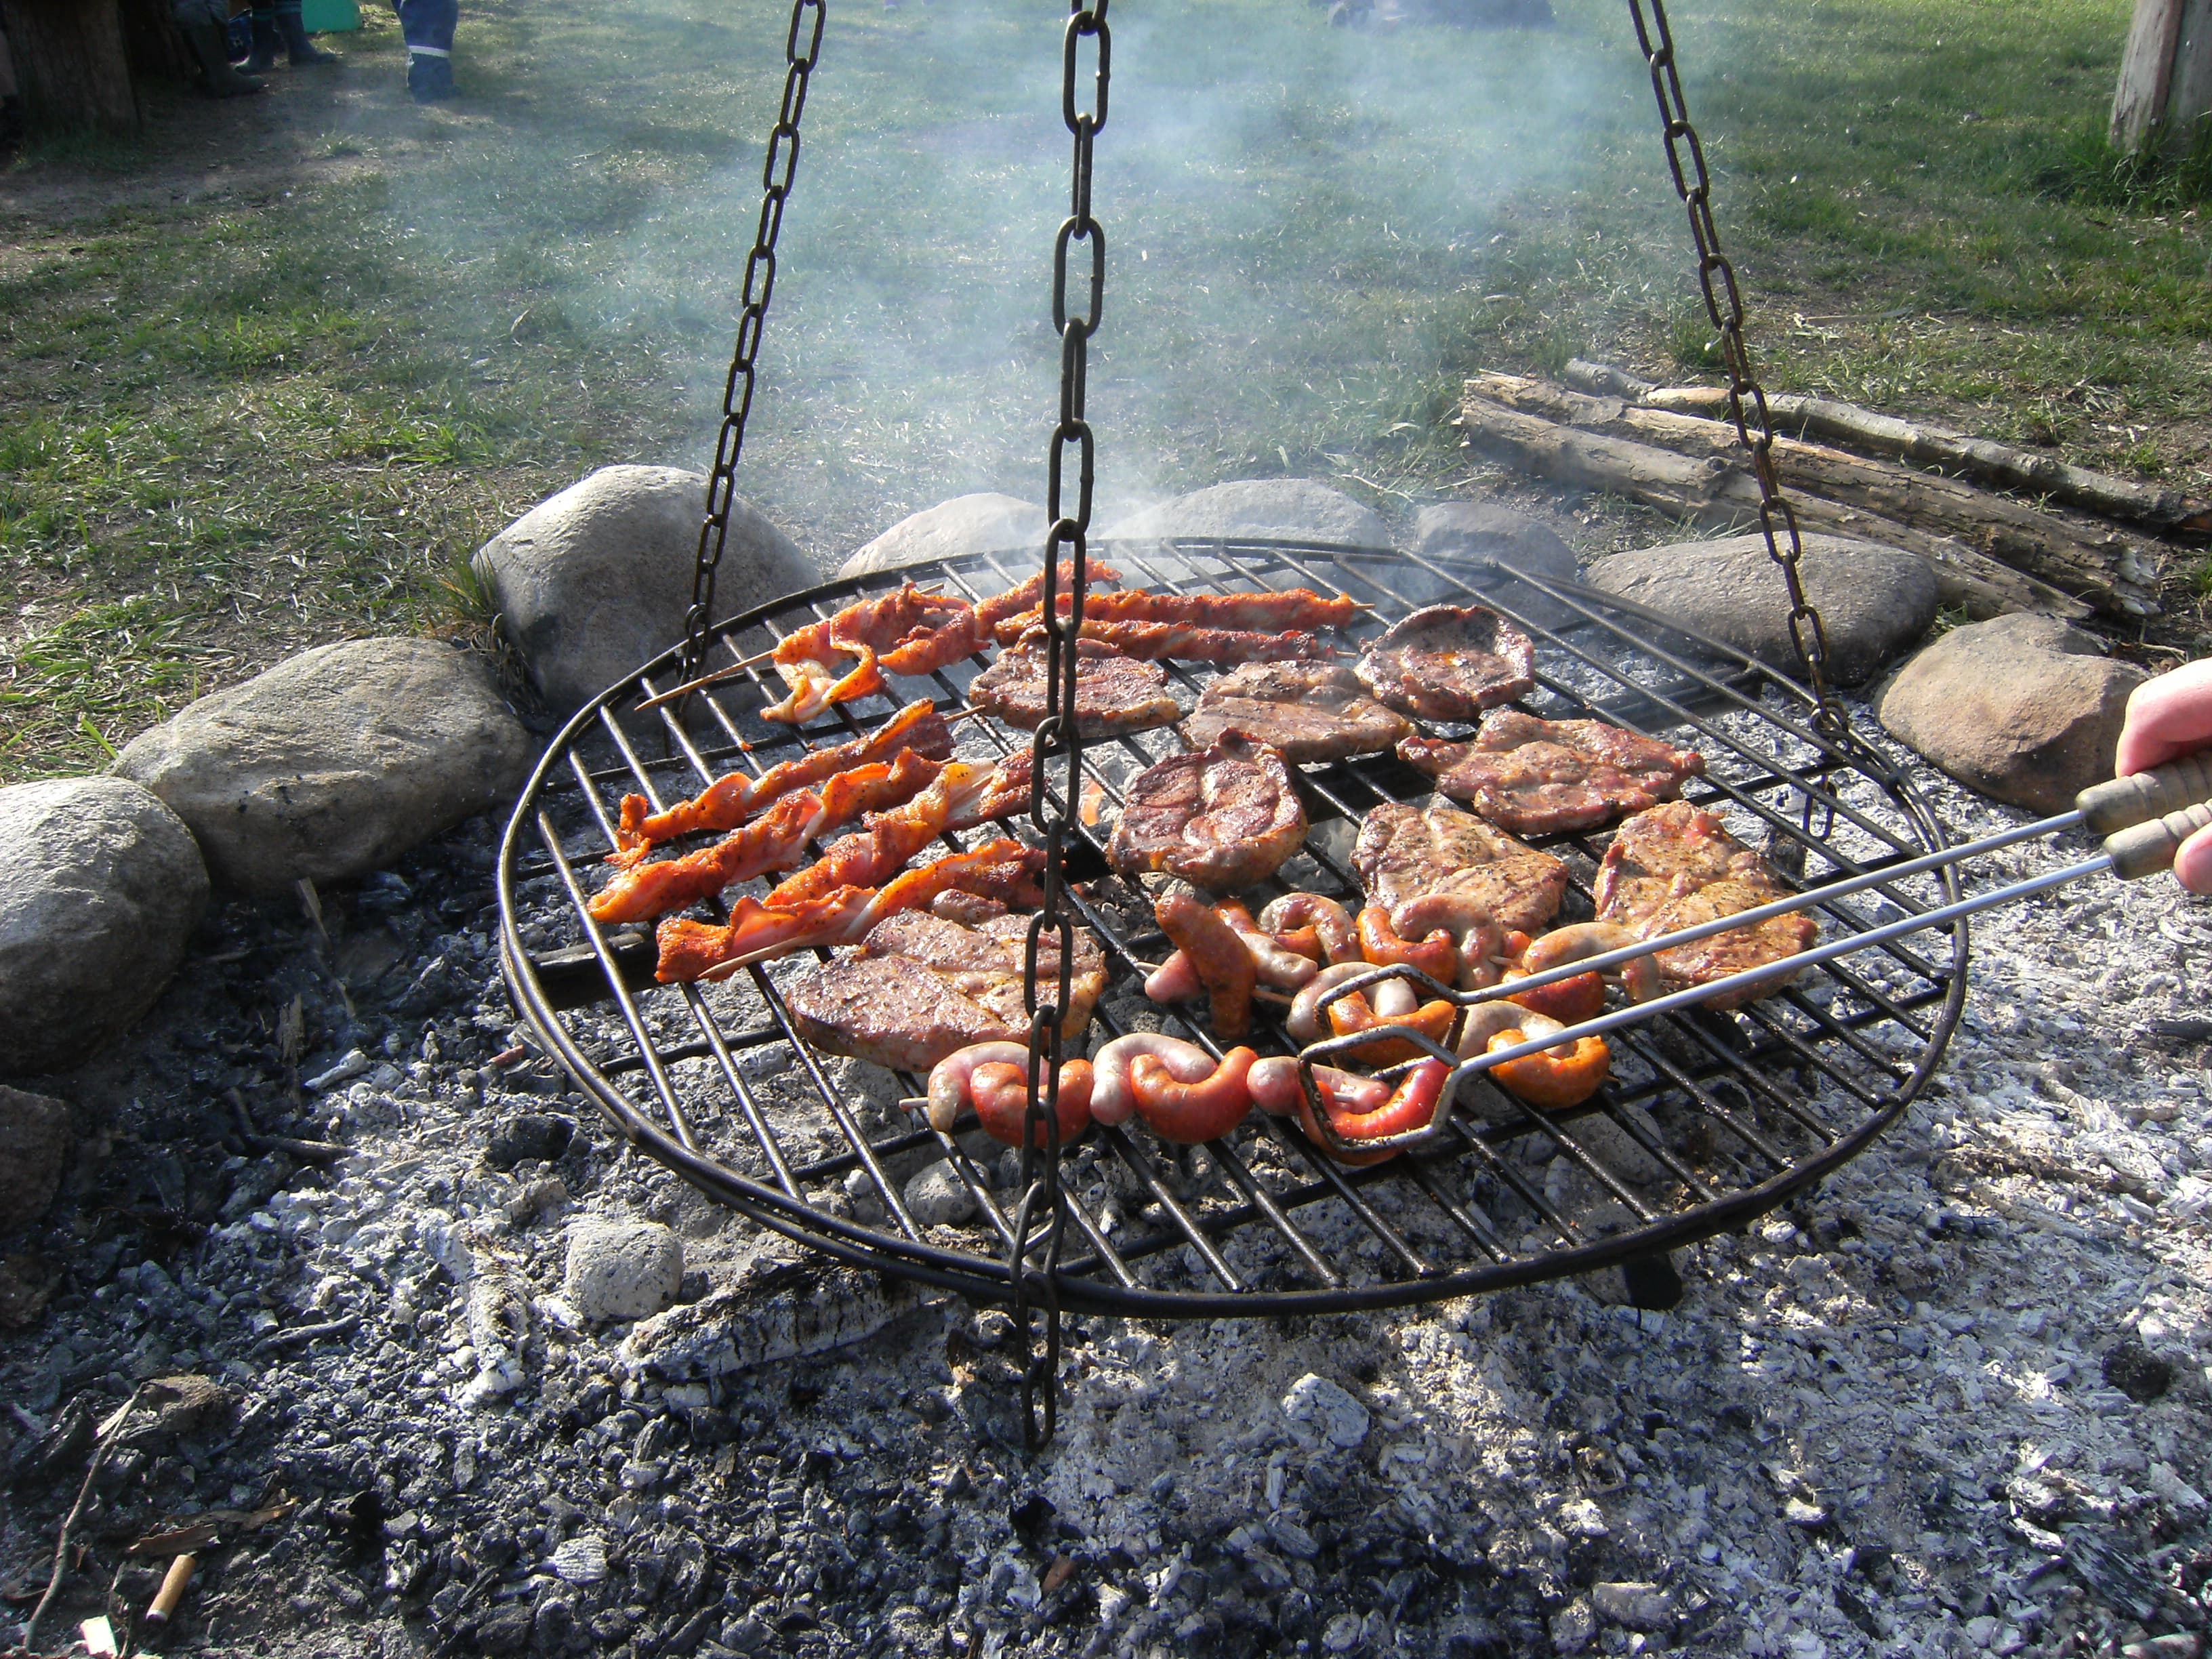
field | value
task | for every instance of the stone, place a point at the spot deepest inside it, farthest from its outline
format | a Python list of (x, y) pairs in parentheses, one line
[(1637, 1605), (35, 1145), (335, 761), (1457, 532), (528, 1135), (2022, 707), (936, 1197), (1874, 601), (504, 1630), (966, 524), (1286, 509), (1327, 1411), (101, 884), (594, 582), (2136, 1372), (776, 1311), (622, 1270), (1574, 1628)]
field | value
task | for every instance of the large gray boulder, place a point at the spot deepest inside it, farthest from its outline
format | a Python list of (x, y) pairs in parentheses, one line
[(334, 762), (595, 580), (981, 523), (1874, 601), (101, 884), (1460, 533), (1285, 509), (2022, 707)]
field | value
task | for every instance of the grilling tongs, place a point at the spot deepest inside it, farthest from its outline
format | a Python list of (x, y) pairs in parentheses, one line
[(2144, 819)]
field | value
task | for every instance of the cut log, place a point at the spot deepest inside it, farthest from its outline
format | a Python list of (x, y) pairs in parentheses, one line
[(2081, 556), (1717, 494), (2166, 511), (70, 62)]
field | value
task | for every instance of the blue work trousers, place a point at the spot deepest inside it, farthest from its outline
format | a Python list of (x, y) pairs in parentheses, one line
[(427, 25)]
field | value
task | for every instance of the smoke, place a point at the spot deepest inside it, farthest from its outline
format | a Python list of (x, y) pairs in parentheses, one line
[(1310, 231)]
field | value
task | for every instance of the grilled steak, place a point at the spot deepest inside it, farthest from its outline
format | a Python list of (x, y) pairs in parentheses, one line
[(920, 987), (1536, 777), (1674, 867), (1449, 662), (1114, 695), (1312, 712), (1223, 816), (1404, 851)]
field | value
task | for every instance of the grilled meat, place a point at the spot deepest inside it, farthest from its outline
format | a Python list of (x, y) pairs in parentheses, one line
[(1270, 612), (965, 793), (1536, 777), (905, 631), (1029, 596), (1449, 662), (1405, 853), (1152, 641), (1223, 816), (1114, 694), (922, 987), (1312, 712), (1674, 867)]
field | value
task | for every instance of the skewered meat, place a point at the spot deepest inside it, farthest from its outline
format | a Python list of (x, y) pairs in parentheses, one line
[(1224, 964), (965, 793), (775, 840), (1313, 712), (921, 988), (1223, 816), (1149, 641), (755, 931), (1270, 613), (1114, 694), (1537, 777), (1404, 853), (732, 798), (907, 631), (1029, 596), (1448, 662), (1673, 867)]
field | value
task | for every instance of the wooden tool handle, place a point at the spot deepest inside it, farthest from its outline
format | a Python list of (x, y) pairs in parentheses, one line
[(2124, 803), (2144, 849)]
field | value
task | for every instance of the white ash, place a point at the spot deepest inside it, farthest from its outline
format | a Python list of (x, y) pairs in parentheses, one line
[(1879, 1421)]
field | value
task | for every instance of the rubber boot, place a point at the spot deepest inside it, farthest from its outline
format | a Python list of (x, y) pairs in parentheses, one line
[(429, 77), (262, 59), (210, 43), (294, 33)]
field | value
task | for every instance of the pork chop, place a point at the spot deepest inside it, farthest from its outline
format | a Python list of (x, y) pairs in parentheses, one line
[(1223, 816), (1115, 694), (1674, 867), (920, 987), (1404, 853), (1312, 712), (1537, 777), (1449, 662)]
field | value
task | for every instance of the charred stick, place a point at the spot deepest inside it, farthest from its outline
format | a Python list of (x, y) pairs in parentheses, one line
[(77, 1513)]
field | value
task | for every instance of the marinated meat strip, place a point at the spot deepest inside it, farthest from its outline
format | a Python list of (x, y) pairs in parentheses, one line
[(1029, 596), (1223, 816), (1674, 867), (1312, 712), (1152, 641), (1537, 777), (906, 631), (1269, 613), (1404, 853), (922, 987), (1114, 694), (1448, 662), (965, 793)]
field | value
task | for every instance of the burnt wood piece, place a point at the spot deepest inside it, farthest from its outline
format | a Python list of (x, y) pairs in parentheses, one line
[(70, 59)]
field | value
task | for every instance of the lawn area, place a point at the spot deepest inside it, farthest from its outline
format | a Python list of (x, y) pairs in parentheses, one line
[(273, 370)]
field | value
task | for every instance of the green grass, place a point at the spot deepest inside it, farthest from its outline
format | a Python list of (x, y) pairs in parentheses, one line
[(238, 424)]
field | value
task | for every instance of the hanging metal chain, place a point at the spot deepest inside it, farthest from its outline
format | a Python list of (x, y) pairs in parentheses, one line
[(1040, 1216), (1686, 158), (802, 49)]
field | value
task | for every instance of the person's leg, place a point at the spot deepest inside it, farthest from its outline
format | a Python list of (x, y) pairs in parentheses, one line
[(428, 27), (263, 55), (205, 27), (294, 33)]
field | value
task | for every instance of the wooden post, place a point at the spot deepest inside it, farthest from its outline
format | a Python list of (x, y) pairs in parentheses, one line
[(2166, 74), (69, 59)]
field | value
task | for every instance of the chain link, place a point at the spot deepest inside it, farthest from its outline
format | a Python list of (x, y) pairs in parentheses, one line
[(1686, 159), (1041, 1217), (802, 50)]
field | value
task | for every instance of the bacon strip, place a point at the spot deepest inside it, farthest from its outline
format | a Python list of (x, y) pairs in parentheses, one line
[(963, 795), (772, 842), (732, 798), (1149, 641), (1268, 612), (694, 950)]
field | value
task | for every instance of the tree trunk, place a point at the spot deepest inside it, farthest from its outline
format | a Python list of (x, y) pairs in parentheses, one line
[(151, 39), (69, 58), (2165, 75)]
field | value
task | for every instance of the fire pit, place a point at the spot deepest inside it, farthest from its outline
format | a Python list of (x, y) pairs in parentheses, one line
[(1710, 1120)]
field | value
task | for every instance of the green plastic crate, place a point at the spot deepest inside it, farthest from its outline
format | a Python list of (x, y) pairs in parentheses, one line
[(330, 17)]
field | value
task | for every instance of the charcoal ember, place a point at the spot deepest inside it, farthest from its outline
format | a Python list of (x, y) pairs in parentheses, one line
[(2138, 1372), (538, 1135)]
